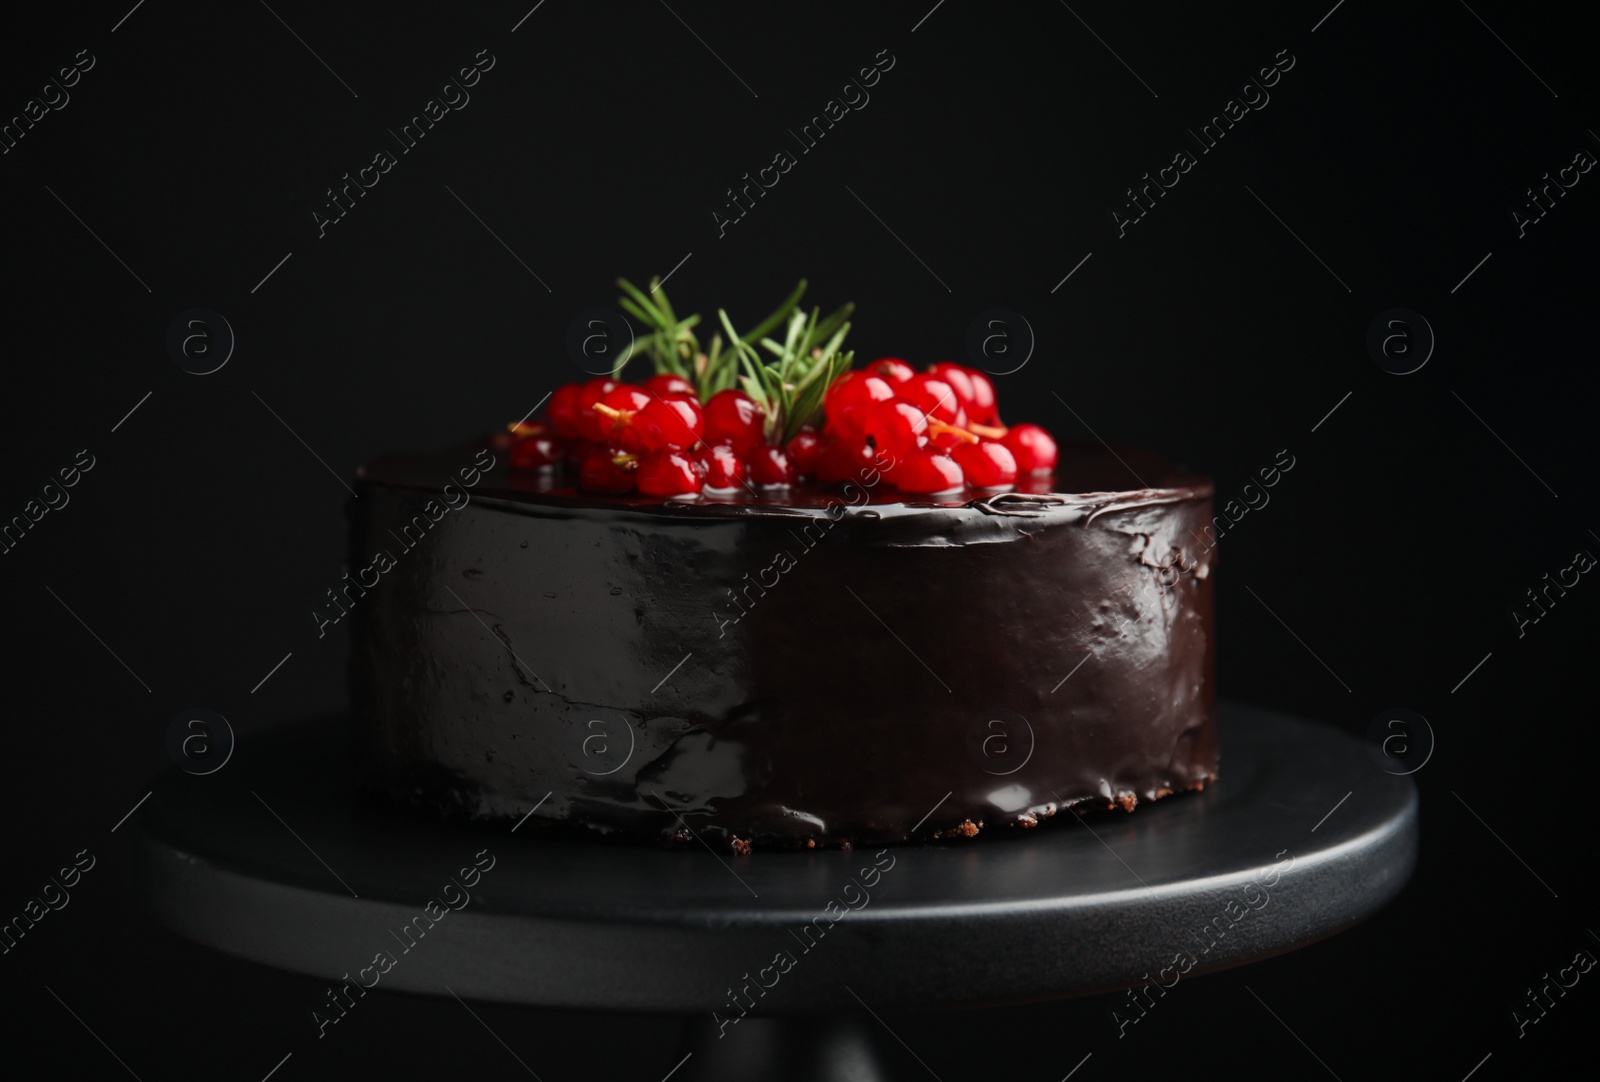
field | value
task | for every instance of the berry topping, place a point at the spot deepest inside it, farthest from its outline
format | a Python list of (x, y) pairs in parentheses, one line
[(933, 396), (803, 452), (617, 410), (669, 422), (608, 469), (926, 471), (591, 425), (666, 385), (640, 419), (533, 447), (897, 427), (845, 460), (958, 378), (892, 369), (1032, 447), (775, 405), (769, 466), (985, 408), (987, 464), (724, 468), (848, 399), (563, 410), (669, 472), (734, 418)]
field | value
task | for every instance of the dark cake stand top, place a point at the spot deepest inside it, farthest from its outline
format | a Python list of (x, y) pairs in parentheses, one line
[(1304, 836)]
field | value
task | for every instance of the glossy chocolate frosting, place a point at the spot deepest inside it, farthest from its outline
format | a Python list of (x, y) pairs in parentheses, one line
[(822, 666)]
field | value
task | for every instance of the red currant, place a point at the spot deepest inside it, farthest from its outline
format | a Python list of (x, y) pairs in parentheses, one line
[(892, 369), (933, 396), (985, 408), (845, 460), (803, 452), (724, 468), (669, 422), (987, 464), (563, 410), (897, 427), (733, 416), (640, 419), (533, 447), (608, 469), (926, 471), (592, 426), (1032, 447), (617, 411), (957, 378), (666, 385), (848, 398), (669, 472), (769, 466)]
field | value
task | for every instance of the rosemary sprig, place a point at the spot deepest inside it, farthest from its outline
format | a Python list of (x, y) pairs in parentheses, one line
[(673, 348), (670, 344), (790, 387)]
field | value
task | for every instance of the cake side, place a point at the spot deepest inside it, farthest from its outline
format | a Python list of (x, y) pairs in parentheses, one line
[(838, 667)]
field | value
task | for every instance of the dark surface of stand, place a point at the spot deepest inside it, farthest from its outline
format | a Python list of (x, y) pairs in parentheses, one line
[(1304, 836)]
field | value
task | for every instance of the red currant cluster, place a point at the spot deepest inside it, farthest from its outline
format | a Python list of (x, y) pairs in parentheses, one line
[(940, 429)]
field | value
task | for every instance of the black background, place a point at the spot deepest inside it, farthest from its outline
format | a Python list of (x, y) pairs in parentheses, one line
[(996, 149)]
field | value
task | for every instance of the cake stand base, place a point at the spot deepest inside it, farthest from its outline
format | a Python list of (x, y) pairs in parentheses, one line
[(274, 860), (825, 1048)]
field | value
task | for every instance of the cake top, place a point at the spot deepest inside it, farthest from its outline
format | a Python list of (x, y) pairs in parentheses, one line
[(1088, 478), (728, 427)]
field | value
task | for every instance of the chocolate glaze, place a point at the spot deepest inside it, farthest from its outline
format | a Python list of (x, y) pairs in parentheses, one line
[(822, 666)]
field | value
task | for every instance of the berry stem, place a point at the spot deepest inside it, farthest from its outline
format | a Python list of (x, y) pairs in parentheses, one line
[(937, 427)]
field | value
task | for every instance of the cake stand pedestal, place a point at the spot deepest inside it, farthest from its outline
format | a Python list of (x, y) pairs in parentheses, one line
[(795, 957)]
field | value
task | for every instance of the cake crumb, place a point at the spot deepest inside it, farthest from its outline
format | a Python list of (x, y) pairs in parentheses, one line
[(1028, 820), (1163, 791), (966, 829), (741, 847), (811, 843), (1127, 801)]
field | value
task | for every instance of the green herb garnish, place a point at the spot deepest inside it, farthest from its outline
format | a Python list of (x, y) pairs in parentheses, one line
[(789, 389)]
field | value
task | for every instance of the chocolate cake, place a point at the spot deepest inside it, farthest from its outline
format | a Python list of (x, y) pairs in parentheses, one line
[(771, 599), (809, 665)]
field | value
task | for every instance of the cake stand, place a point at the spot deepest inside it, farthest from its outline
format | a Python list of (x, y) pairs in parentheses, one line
[(794, 957)]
